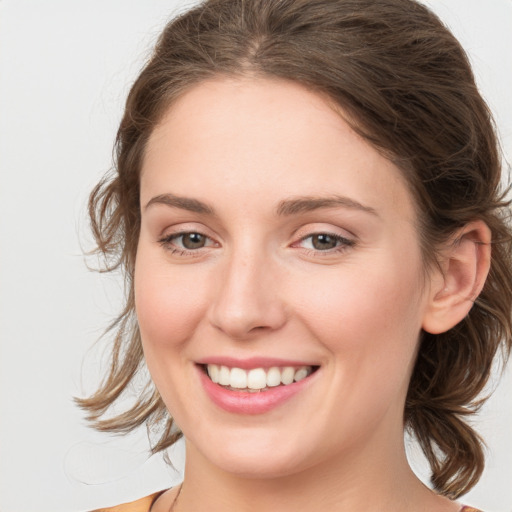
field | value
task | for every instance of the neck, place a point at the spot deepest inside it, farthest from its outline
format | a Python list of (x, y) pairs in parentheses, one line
[(356, 482)]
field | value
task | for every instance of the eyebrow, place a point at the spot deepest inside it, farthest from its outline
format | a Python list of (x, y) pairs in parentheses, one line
[(285, 208), (184, 203), (311, 203)]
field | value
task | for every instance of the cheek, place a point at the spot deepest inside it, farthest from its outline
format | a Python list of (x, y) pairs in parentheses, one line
[(369, 313), (168, 304), (369, 321)]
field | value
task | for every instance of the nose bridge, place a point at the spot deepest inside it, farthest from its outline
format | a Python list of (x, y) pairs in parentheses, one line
[(247, 298)]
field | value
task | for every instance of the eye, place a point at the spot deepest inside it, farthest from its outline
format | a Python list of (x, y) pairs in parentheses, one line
[(184, 242), (192, 240), (325, 242)]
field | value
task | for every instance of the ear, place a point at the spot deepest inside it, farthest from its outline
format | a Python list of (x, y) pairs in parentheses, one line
[(463, 269)]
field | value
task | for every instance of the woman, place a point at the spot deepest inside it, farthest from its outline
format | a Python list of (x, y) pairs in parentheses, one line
[(305, 201)]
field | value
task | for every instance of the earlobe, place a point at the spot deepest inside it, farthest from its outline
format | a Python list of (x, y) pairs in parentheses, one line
[(460, 279)]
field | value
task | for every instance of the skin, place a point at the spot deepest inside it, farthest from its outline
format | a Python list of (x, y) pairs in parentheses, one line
[(261, 287)]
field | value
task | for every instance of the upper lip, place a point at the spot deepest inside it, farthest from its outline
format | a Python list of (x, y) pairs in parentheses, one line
[(252, 362)]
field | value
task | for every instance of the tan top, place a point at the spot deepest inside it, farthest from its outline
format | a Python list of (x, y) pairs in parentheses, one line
[(145, 504), (142, 505)]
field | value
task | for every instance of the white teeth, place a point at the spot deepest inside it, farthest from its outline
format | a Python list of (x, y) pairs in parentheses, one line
[(238, 378), (300, 374), (213, 371), (287, 375), (224, 376), (257, 378), (273, 377)]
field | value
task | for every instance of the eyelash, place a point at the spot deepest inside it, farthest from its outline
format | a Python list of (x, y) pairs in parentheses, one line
[(344, 244), (167, 242)]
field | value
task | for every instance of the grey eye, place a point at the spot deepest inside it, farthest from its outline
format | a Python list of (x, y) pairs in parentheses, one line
[(193, 240), (324, 242)]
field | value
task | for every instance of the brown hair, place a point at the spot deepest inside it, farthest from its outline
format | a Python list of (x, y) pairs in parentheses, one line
[(407, 84)]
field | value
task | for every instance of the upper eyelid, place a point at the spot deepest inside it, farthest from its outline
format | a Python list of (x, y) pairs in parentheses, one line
[(330, 233), (322, 228), (185, 227)]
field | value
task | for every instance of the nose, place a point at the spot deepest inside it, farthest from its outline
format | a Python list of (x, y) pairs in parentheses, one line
[(247, 298)]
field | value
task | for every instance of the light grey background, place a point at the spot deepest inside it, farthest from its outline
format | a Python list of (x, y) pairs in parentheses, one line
[(65, 69)]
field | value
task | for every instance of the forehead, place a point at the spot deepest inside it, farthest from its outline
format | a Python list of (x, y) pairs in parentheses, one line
[(263, 139)]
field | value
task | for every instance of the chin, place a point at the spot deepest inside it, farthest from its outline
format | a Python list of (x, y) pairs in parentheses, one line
[(256, 456), (258, 466)]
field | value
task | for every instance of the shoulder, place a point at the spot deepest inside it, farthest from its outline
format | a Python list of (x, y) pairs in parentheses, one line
[(141, 505)]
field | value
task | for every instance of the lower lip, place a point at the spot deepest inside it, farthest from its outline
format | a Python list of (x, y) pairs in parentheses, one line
[(244, 402)]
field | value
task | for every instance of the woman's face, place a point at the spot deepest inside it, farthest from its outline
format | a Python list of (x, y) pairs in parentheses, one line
[(276, 244)]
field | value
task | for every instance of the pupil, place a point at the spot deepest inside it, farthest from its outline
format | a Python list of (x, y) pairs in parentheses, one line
[(323, 242), (193, 241)]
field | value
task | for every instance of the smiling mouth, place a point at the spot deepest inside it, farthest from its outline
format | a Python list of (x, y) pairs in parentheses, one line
[(256, 379)]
